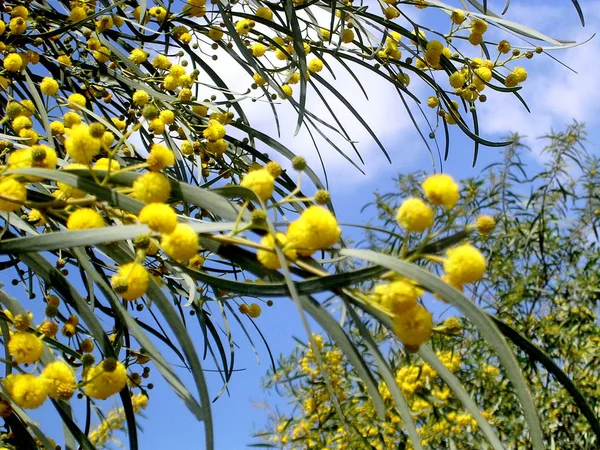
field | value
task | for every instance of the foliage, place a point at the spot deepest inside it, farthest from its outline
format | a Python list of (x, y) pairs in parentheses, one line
[(539, 281), (134, 188)]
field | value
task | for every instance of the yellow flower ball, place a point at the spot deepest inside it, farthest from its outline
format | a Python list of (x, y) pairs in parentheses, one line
[(479, 26), (181, 244), (259, 80), (258, 49), (457, 16), (315, 229), (49, 86), (315, 65), (433, 102), (520, 73), (76, 101), (287, 91), (81, 145), (347, 36), (215, 34), (25, 347), (167, 116), (414, 326), (415, 215), (152, 187), (159, 157), (101, 384), (441, 189), (84, 219), (60, 380), (464, 264), (27, 391), (254, 310), (135, 277), (138, 56), (398, 296), (261, 182), (269, 259), (485, 225), (457, 80), (264, 13), (214, 131), (161, 62), (160, 217), (157, 126), (13, 62), (105, 163), (140, 98), (217, 148), (11, 188)]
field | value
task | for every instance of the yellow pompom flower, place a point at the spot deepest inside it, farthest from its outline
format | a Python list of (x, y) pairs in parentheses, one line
[(134, 277), (27, 391), (25, 347), (84, 219), (315, 65), (76, 101), (217, 148), (167, 116), (479, 26), (158, 13), (264, 13), (157, 126), (414, 326), (243, 26), (81, 145), (70, 191), (315, 229), (214, 131), (11, 188), (520, 73), (398, 296), (254, 310), (415, 215), (60, 380), (21, 122), (457, 80), (441, 189), (152, 187), (160, 217), (215, 34), (181, 244), (287, 91), (13, 62), (464, 264), (433, 102), (259, 80), (485, 225), (261, 182), (140, 98), (457, 16), (161, 62), (159, 157), (49, 86), (347, 36), (105, 163), (138, 56), (101, 384), (269, 259), (258, 50)]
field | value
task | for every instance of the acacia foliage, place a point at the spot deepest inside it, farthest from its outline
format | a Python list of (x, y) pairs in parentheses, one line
[(541, 283)]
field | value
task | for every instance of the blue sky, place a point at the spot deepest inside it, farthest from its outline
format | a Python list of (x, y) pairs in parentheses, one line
[(555, 96)]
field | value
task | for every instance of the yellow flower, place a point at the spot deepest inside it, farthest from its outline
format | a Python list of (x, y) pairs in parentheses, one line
[(167, 116), (140, 98), (218, 147), (101, 383), (259, 80), (520, 73), (159, 157), (21, 122), (441, 189), (457, 16), (433, 102), (64, 60), (347, 36), (315, 65), (161, 62), (158, 12), (258, 49), (269, 259), (157, 126), (215, 34), (398, 296), (152, 187), (315, 229), (11, 188), (479, 26), (70, 191), (264, 13), (13, 62), (60, 380), (457, 80), (72, 119), (138, 56), (76, 101), (48, 328), (485, 225), (464, 264), (85, 218), (243, 26), (415, 215), (261, 182), (49, 86), (214, 131), (81, 145), (105, 163), (160, 217), (25, 347), (27, 391), (254, 310), (181, 244), (414, 327), (287, 91), (134, 277)]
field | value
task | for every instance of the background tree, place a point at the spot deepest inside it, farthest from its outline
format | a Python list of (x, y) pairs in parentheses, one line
[(540, 281), (134, 188)]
